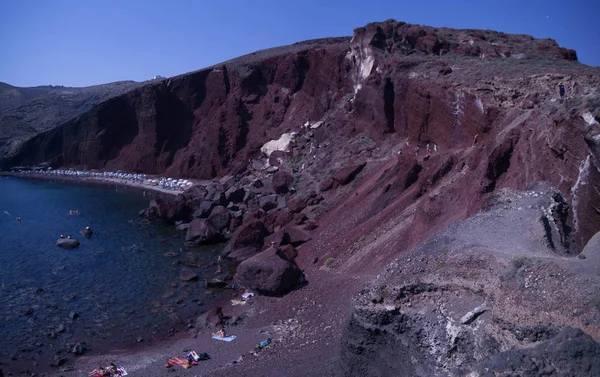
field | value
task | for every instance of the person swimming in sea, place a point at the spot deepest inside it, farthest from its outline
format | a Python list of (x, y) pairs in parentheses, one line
[(19, 218)]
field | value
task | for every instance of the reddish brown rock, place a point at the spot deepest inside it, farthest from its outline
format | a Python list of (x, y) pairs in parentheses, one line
[(297, 235), (326, 185), (202, 231), (268, 274), (347, 174), (288, 252), (250, 233), (240, 255), (277, 239), (281, 182), (188, 275), (296, 205), (220, 218)]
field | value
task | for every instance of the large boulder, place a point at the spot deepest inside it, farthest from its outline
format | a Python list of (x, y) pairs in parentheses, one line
[(269, 202), (240, 255), (296, 205), (174, 210), (347, 174), (281, 144), (570, 353), (277, 219), (220, 218), (202, 231), (296, 235), (250, 233), (204, 209), (67, 243), (235, 195), (268, 274), (281, 182), (188, 275)]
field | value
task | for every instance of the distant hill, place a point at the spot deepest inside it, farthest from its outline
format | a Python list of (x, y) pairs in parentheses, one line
[(25, 112)]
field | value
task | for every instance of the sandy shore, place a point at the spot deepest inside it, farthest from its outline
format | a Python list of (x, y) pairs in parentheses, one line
[(103, 182)]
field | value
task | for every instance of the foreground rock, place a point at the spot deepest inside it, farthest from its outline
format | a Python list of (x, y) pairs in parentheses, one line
[(67, 243), (471, 300), (201, 231), (570, 353), (268, 273)]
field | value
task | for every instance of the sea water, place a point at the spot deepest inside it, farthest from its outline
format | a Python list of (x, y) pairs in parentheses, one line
[(118, 287)]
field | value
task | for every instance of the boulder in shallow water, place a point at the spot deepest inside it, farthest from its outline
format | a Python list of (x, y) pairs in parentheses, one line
[(87, 232), (67, 243), (188, 275)]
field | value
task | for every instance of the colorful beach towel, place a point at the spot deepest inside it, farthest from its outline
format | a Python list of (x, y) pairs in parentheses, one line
[(228, 338), (182, 362)]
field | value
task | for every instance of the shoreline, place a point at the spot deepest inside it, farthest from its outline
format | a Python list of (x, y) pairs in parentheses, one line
[(152, 343), (109, 183)]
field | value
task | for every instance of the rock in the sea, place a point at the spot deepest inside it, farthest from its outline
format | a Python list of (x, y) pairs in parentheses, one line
[(201, 231), (67, 243), (347, 174), (281, 182), (86, 232), (268, 274), (188, 275)]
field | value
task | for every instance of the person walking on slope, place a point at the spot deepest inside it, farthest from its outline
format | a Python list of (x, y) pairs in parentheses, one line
[(561, 90)]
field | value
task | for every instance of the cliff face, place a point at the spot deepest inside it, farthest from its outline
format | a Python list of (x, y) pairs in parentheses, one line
[(204, 123), (393, 82), (25, 112)]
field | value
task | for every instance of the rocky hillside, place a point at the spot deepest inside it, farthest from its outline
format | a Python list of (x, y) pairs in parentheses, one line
[(25, 112), (344, 155)]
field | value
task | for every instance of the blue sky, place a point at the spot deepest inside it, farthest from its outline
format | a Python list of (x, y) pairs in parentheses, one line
[(86, 42)]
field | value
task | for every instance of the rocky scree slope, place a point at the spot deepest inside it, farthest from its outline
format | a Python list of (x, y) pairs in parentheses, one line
[(487, 296), (25, 112)]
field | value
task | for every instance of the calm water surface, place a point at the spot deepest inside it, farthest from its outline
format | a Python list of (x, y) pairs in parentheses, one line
[(120, 284)]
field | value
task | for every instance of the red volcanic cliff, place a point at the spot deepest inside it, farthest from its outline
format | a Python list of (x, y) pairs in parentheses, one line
[(395, 83)]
